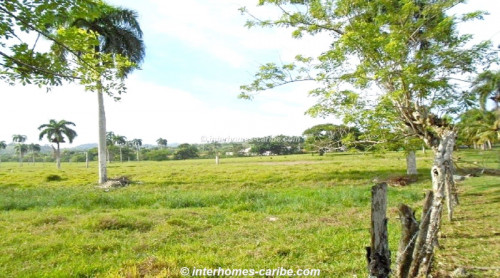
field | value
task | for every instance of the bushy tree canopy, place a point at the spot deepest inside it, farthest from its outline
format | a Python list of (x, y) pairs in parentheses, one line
[(398, 58), (28, 27)]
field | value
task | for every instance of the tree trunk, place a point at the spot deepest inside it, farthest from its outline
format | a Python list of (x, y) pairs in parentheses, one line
[(87, 159), (442, 178), (58, 157), (378, 254), (137, 154), (121, 155), (217, 159), (411, 164), (101, 145), (409, 232)]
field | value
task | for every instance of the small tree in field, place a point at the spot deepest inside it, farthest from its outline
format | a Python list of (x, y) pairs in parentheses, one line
[(162, 142), (109, 144), (3, 145), (398, 56), (20, 147), (137, 143), (56, 132), (34, 148), (121, 141)]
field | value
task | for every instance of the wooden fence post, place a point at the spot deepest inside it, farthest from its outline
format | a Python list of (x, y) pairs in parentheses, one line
[(418, 253), (409, 232), (378, 254)]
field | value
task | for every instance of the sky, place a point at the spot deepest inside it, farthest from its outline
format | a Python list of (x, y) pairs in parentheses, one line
[(198, 53)]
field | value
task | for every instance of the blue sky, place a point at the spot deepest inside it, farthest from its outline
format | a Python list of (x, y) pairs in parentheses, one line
[(198, 54)]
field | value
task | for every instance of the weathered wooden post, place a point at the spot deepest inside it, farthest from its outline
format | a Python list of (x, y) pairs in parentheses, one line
[(419, 250), (409, 232), (87, 159), (378, 254)]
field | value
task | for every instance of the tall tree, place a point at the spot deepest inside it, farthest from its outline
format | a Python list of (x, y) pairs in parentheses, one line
[(98, 59), (162, 142), (20, 147), (56, 132), (21, 150), (34, 148), (121, 141), (137, 143), (119, 35), (403, 55)]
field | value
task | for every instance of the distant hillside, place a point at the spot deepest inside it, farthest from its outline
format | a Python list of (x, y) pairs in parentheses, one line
[(11, 151), (83, 147)]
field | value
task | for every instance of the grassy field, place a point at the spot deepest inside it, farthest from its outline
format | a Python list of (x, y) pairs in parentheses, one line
[(294, 212)]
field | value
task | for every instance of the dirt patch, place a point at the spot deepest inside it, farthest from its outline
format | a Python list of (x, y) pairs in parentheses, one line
[(121, 181)]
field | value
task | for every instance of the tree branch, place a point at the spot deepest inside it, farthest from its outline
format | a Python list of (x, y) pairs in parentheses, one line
[(34, 68), (48, 36)]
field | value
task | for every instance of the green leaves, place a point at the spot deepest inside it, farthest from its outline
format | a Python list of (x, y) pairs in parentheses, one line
[(74, 54), (401, 56)]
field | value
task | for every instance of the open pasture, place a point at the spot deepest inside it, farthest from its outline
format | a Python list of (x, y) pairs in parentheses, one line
[(294, 212)]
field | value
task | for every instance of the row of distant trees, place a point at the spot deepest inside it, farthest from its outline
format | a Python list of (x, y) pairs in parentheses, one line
[(477, 131), (55, 132)]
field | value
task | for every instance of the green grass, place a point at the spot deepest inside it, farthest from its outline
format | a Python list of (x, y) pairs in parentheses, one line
[(196, 214)]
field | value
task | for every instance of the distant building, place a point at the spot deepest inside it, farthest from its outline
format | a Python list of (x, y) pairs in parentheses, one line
[(245, 151)]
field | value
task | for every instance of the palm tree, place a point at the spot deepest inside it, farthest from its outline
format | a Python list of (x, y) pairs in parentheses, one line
[(121, 141), (487, 86), (162, 142), (19, 139), (479, 128), (137, 143), (34, 148), (21, 150), (3, 145), (118, 32), (55, 133), (109, 143)]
